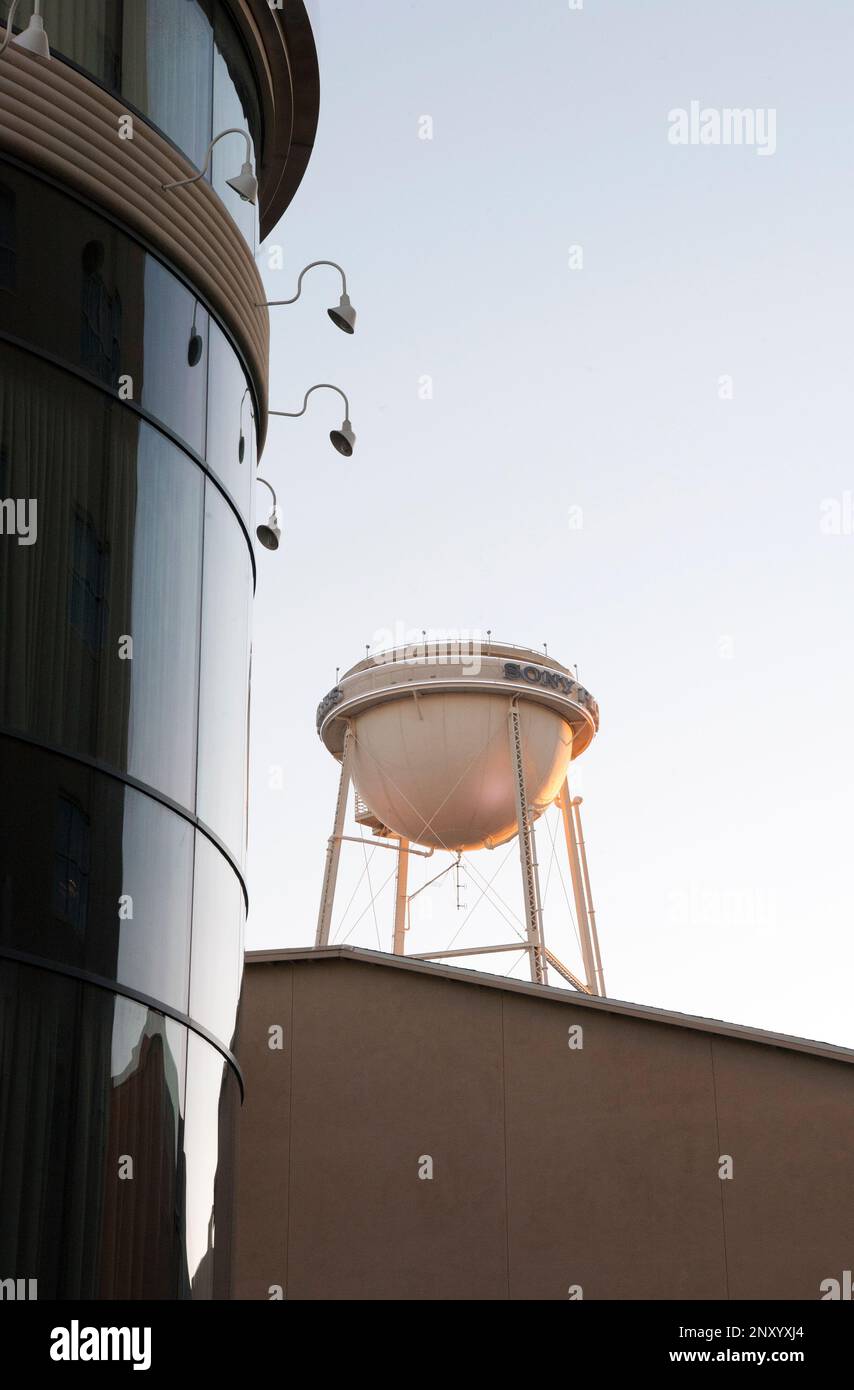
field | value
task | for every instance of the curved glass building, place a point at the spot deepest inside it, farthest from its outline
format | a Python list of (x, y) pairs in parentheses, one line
[(133, 398)]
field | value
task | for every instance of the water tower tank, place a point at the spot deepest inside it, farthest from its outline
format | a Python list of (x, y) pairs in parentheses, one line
[(430, 748)]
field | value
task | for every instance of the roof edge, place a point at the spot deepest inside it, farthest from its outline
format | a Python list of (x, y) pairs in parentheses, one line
[(738, 1031)]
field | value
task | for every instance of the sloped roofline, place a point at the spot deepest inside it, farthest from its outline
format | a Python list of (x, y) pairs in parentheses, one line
[(644, 1012)]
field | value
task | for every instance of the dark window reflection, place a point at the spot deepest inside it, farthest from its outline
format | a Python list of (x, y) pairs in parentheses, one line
[(94, 298), (88, 609), (71, 864), (91, 296), (8, 239), (80, 849), (118, 561), (101, 319), (86, 1077)]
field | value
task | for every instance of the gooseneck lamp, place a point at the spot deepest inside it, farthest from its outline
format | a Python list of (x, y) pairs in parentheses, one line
[(244, 183), (342, 314), (33, 38), (343, 439), (269, 532)]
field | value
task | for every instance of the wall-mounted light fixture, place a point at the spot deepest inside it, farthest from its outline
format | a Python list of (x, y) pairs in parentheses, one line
[(269, 532), (342, 314), (241, 445), (33, 38), (244, 183), (343, 439), (195, 346)]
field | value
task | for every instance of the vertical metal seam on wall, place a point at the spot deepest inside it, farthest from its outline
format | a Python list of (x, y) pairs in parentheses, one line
[(503, 1064), (720, 1180)]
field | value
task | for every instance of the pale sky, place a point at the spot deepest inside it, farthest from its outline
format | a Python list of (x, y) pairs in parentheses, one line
[(703, 596)]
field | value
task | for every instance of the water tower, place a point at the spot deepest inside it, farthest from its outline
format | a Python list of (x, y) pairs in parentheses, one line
[(457, 747)]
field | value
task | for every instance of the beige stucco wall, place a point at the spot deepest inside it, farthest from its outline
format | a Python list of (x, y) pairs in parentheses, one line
[(553, 1167)]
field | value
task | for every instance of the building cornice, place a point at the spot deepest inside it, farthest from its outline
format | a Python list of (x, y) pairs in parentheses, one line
[(281, 45)]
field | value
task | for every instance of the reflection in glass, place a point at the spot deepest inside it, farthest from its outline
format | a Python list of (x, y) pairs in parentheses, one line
[(230, 419), (100, 318), (70, 865), (92, 297), (86, 1077), (210, 1115), (168, 51), (170, 387), (224, 687), (217, 965), (235, 105), (157, 889), (97, 876), (118, 557), (182, 63), (156, 53), (165, 592), (8, 239)]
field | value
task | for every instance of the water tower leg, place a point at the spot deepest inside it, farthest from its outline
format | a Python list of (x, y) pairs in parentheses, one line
[(565, 803), (400, 897), (333, 848), (527, 856), (600, 976)]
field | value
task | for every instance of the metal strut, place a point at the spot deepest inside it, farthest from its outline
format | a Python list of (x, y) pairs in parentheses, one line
[(401, 879), (527, 855), (333, 848)]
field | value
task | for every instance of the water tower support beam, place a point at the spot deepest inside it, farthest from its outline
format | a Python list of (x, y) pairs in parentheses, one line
[(582, 917), (333, 848), (527, 855), (594, 935), (400, 897)]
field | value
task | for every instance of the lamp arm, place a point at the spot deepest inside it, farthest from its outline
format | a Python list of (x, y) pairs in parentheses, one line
[(259, 479), (321, 386), (10, 19), (272, 303), (233, 130)]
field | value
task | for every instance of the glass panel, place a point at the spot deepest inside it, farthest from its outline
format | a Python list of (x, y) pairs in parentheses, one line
[(8, 238), (224, 685), (114, 514), (175, 334), (235, 105), (86, 31), (95, 875), (157, 860), (231, 422), (167, 56), (87, 294), (217, 964), (211, 1111), (187, 73), (165, 596), (157, 54), (89, 1083)]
